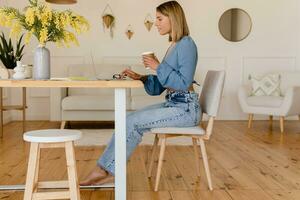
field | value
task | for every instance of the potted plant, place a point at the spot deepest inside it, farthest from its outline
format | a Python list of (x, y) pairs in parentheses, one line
[(148, 22), (148, 25), (10, 55), (129, 32), (108, 20), (46, 25)]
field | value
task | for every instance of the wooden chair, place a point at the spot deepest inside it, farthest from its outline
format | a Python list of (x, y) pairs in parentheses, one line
[(209, 100), (52, 138)]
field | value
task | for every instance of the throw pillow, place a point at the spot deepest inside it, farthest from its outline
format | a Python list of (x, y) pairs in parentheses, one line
[(268, 85)]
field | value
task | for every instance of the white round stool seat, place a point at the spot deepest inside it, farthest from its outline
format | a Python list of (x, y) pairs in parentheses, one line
[(52, 135)]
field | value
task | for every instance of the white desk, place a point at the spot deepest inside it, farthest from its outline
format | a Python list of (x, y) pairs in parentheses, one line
[(120, 119)]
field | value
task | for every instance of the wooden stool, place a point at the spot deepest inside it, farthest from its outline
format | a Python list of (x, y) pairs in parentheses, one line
[(52, 138)]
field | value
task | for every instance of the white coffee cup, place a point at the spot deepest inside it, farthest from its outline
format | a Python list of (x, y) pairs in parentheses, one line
[(148, 54)]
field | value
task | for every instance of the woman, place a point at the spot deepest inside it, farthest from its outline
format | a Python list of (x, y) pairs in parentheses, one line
[(175, 74)]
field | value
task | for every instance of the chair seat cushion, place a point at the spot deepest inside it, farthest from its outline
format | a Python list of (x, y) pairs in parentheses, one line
[(265, 101), (103, 102), (195, 130)]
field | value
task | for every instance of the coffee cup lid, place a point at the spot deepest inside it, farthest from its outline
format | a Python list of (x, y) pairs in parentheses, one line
[(148, 52)]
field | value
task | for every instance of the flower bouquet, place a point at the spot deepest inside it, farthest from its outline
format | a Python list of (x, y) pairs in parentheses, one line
[(47, 25)]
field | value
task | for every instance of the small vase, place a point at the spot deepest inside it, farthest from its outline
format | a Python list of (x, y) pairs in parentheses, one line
[(10, 73), (41, 68)]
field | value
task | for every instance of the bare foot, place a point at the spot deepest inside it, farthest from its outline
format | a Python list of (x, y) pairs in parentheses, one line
[(108, 179), (95, 175)]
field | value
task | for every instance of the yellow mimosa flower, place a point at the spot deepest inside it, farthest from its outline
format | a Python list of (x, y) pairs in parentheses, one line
[(64, 20), (2, 19), (44, 23), (59, 44), (16, 29), (9, 20), (29, 16), (57, 21), (28, 37), (46, 16), (73, 39), (43, 36)]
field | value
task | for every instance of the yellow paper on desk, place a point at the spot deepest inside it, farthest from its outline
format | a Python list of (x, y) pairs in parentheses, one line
[(72, 78), (78, 78)]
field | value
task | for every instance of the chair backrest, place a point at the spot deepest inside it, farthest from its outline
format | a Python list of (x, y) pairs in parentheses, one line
[(211, 93)]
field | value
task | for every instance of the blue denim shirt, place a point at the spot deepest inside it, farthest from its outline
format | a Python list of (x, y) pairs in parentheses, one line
[(176, 70)]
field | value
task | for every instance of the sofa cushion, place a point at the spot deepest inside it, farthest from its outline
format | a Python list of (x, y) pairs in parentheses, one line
[(265, 101), (87, 102)]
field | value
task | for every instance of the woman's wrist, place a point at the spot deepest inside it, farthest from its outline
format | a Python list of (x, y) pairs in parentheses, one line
[(143, 78)]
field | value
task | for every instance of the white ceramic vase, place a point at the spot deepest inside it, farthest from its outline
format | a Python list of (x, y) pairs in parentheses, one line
[(41, 68)]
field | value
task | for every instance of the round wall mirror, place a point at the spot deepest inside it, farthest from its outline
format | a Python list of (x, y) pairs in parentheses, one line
[(235, 25)]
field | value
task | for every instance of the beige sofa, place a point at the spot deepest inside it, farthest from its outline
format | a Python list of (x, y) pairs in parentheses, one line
[(79, 104)]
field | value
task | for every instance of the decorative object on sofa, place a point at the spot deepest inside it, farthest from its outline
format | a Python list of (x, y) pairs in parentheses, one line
[(268, 85), (281, 106), (108, 20), (8, 55), (62, 1), (148, 22), (235, 25), (48, 26), (19, 71), (129, 32)]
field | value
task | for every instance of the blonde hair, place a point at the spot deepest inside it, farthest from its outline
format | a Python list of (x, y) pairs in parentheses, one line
[(174, 11)]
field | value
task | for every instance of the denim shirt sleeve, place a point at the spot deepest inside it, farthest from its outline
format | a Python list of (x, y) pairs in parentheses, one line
[(179, 76), (152, 85)]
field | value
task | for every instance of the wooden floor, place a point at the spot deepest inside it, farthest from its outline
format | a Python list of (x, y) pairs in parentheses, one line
[(255, 164)]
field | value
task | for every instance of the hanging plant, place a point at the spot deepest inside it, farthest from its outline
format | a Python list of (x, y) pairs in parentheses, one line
[(148, 22), (129, 32), (108, 19)]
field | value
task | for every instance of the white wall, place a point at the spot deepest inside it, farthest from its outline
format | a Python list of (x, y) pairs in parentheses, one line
[(274, 41)]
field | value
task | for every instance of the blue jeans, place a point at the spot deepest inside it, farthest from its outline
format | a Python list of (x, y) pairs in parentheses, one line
[(181, 109)]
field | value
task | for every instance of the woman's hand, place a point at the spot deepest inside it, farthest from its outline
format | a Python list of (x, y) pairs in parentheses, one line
[(131, 74), (151, 62)]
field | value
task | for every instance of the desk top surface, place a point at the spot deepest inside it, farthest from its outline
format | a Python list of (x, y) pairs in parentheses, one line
[(71, 84)]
